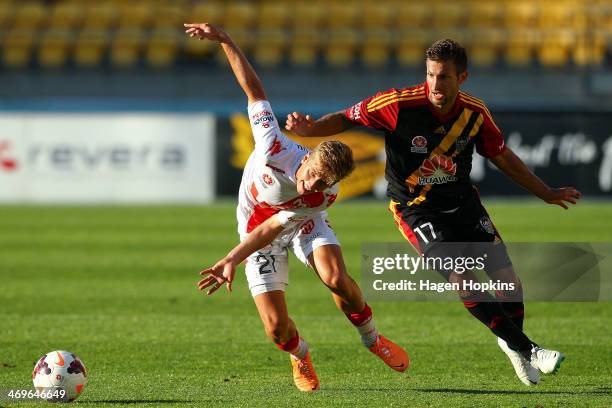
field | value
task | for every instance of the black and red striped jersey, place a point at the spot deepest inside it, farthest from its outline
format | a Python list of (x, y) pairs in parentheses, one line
[(429, 157)]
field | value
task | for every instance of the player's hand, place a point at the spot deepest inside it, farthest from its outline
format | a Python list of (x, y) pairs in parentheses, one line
[(562, 196), (218, 274), (298, 123), (205, 31)]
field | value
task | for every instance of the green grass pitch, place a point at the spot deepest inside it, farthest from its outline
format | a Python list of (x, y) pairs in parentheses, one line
[(116, 285)]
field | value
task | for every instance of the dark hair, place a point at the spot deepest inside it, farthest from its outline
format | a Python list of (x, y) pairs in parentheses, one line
[(448, 50)]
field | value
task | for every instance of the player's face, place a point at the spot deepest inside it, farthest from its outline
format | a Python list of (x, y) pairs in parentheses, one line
[(443, 83), (309, 177)]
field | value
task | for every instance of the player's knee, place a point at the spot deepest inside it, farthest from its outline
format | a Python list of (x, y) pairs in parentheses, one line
[(277, 329), (336, 278)]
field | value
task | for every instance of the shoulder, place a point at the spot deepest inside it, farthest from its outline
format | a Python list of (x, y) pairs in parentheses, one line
[(477, 105), (405, 97)]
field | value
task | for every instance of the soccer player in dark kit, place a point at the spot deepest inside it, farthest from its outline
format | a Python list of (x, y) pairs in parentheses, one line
[(431, 131)]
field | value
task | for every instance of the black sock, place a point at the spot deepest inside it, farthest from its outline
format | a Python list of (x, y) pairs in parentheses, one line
[(515, 311), (513, 305), (492, 315)]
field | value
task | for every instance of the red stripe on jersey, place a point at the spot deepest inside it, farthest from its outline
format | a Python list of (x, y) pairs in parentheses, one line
[(259, 215), (310, 200)]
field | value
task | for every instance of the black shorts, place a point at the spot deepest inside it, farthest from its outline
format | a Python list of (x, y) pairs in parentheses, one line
[(468, 223)]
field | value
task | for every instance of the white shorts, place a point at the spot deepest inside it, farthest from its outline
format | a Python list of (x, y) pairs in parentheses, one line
[(268, 268)]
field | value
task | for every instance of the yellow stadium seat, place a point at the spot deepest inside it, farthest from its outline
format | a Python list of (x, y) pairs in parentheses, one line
[(136, 14), (270, 47), (519, 14), (163, 47), (520, 46), (340, 48), (484, 14), (447, 14), (239, 16), (376, 48), (411, 45), (412, 14), (100, 15), (30, 14), (556, 14), (378, 15), (17, 47), (170, 15), (126, 47), (341, 15), (484, 46), (305, 47), (590, 50), (54, 48), (91, 45), (307, 15), (68, 14), (273, 15), (7, 12), (206, 12), (554, 48)]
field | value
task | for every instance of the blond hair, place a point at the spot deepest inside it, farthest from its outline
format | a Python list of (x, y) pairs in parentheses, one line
[(335, 160)]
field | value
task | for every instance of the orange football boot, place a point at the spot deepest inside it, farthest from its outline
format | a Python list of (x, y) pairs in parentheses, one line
[(393, 355), (304, 374)]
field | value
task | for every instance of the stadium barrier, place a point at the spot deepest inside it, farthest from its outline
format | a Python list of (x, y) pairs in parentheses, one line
[(107, 158), (69, 157)]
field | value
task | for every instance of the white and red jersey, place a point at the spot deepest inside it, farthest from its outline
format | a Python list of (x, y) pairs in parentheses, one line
[(268, 184)]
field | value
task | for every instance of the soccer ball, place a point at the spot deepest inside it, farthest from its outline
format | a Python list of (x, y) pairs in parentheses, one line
[(59, 375)]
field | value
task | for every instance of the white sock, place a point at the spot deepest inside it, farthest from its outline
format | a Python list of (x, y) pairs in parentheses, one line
[(368, 333), (300, 351)]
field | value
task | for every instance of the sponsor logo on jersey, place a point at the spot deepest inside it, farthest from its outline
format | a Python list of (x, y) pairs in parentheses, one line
[(461, 143), (7, 163), (307, 227), (355, 112), (276, 147), (487, 224), (440, 130), (419, 144), (263, 118), (268, 179), (437, 170)]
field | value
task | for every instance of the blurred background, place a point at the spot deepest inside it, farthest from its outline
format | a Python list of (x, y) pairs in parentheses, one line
[(108, 100)]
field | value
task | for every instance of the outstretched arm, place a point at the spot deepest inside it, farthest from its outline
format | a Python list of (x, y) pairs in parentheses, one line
[(244, 72), (513, 167), (330, 124), (224, 270)]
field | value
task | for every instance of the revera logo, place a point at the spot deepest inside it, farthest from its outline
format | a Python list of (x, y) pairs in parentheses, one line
[(7, 162), (113, 157)]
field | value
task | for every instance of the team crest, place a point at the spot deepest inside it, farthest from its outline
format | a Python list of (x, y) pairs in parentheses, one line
[(486, 223), (461, 143), (419, 145), (267, 179)]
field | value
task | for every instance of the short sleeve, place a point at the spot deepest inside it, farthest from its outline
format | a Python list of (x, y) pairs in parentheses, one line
[(377, 112), (264, 125), (490, 142)]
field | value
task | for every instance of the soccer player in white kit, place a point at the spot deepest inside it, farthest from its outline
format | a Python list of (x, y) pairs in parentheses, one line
[(284, 192)]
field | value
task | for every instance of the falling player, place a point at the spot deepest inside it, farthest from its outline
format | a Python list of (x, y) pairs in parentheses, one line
[(284, 192)]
